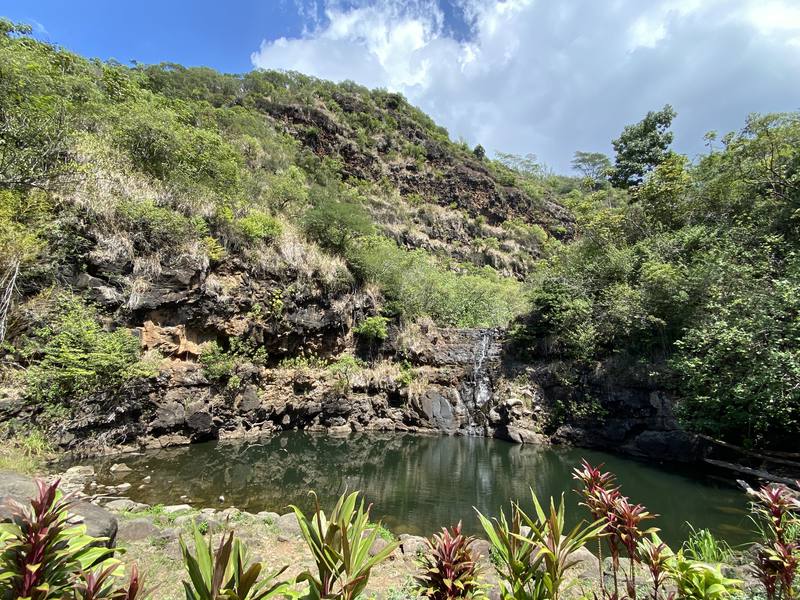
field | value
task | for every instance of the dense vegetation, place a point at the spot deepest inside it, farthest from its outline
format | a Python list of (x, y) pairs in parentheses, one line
[(694, 273), (686, 268)]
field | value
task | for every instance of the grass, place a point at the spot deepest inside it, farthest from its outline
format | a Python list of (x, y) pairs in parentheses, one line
[(703, 546), (25, 453)]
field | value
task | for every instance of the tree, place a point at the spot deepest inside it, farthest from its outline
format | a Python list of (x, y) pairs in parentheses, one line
[(335, 224), (642, 147), (592, 165), (479, 152)]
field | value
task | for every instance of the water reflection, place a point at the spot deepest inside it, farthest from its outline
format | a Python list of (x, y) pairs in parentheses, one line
[(419, 483)]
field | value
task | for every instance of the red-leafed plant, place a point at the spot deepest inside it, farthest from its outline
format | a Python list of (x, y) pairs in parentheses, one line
[(449, 568), (623, 521), (100, 585), (600, 492), (42, 556), (629, 518), (776, 511), (656, 556)]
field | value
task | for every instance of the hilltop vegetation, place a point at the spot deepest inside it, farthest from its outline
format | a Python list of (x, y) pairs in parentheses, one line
[(118, 185)]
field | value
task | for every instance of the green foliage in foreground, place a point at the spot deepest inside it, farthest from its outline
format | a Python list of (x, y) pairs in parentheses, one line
[(226, 573), (42, 557), (340, 546)]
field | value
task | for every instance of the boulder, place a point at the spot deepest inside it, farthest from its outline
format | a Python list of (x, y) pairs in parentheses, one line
[(412, 544), (126, 505), (379, 545), (481, 548), (287, 525), (174, 509), (99, 522), (120, 468), (136, 530), (268, 516)]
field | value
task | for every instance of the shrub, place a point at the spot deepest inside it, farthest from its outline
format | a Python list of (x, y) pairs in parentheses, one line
[(153, 227), (42, 556), (339, 545), (75, 357), (226, 573), (513, 555), (334, 224), (373, 328), (416, 285), (259, 226), (700, 581), (449, 568), (776, 512), (218, 365)]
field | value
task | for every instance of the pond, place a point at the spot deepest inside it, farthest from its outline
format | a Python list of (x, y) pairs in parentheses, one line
[(418, 483)]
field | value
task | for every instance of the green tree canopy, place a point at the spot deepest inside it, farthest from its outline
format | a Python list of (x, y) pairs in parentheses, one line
[(642, 147)]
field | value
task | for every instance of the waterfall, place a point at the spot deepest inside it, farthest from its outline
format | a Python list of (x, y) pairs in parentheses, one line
[(481, 383)]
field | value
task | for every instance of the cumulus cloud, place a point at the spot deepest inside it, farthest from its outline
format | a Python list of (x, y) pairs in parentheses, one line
[(554, 77)]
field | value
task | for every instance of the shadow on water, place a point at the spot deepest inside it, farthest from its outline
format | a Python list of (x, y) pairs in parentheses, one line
[(419, 483)]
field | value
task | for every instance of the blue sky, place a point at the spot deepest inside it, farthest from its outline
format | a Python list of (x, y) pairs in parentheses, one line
[(201, 32), (524, 76)]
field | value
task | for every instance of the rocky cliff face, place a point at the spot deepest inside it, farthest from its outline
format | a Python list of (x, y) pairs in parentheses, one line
[(421, 379)]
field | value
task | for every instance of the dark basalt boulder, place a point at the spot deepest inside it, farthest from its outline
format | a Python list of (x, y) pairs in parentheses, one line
[(99, 522)]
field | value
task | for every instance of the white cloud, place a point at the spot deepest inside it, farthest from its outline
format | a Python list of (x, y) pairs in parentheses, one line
[(552, 77)]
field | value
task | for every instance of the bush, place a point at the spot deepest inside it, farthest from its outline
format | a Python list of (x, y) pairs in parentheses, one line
[(75, 357), (449, 568), (218, 365), (339, 545), (227, 573), (416, 285), (373, 328), (334, 224), (259, 226), (43, 556), (153, 227)]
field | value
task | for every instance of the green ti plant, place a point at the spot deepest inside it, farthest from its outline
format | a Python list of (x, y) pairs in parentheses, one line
[(695, 580), (513, 553), (449, 568), (227, 573), (533, 562), (340, 544)]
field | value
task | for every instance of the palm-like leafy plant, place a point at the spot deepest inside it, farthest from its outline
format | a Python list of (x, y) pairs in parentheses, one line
[(99, 585), (533, 565), (656, 555), (514, 553), (340, 545), (556, 545), (449, 569), (776, 512), (226, 574)]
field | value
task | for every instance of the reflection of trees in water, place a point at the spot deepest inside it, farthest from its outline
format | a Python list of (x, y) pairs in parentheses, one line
[(417, 483)]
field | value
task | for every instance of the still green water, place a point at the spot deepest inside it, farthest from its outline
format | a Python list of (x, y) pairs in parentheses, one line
[(418, 483)]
